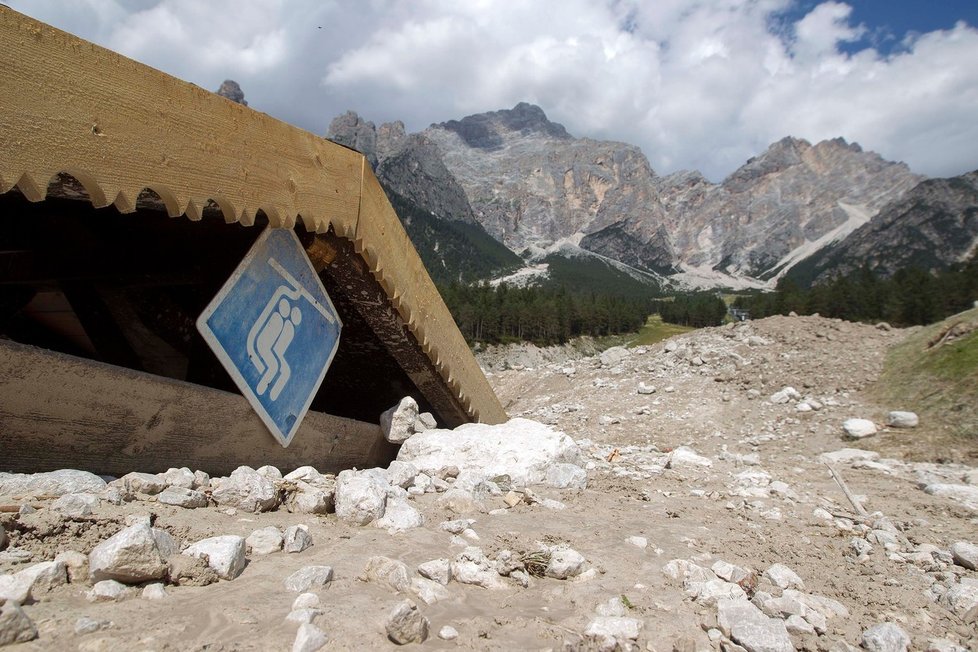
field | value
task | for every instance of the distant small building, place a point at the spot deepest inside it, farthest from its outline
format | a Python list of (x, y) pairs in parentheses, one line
[(738, 314)]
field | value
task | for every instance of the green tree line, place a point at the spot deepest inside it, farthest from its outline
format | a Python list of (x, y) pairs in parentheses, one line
[(538, 314), (698, 309), (911, 296)]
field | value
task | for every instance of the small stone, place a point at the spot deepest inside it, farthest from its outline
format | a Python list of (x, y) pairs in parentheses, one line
[(225, 554), (74, 505), (886, 637), (564, 563), (76, 564), (646, 389), (297, 538), (898, 419), (190, 571), (943, 645), (143, 483), (247, 490), (86, 625), (306, 601), (785, 395), (686, 457), (406, 624), (613, 632), (797, 625), (448, 633), (399, 516), (784, 578), (265, 541), (154, 591), (309, 638), (965, 554), (472, 567), (401, 474), (360, 499), (439, 570), (512, 499), (638, 542), (388, 571), (309, 577), (108, 591), (859, 428), (15, 626), (182, 477), (613, 607), (397, 423), (300, 616), (429, 591), (182, 497)]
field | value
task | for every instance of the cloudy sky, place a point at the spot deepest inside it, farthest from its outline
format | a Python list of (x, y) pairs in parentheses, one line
[(697, 84)]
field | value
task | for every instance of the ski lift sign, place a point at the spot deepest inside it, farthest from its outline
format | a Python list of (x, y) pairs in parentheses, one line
[(275, 330)]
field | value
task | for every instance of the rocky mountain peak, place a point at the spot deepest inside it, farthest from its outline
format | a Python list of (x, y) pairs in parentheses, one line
[(232, 91), (350, 130), (490, 131)]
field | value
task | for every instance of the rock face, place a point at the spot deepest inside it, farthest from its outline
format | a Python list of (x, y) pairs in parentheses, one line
[(537, 189), (932, 226), (231, 90)]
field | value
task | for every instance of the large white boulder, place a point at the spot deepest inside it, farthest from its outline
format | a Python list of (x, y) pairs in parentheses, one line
[(859, 428), (398, 422), (522, 449), (52, 483), (225, 554), (130, 556), (360, 497), (247, 490)]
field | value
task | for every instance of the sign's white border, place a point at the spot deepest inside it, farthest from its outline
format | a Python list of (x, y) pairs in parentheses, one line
[(283, 438)]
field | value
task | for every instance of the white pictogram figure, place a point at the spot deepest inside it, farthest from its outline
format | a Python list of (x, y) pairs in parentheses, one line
[(274, 331)]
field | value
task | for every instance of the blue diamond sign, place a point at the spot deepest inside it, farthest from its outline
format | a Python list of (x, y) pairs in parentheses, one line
[(275, 330)]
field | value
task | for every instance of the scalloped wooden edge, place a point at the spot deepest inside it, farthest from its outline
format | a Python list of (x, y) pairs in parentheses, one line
[(121, 128)]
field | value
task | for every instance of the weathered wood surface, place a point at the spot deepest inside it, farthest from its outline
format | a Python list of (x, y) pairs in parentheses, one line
[(59, 411), (119, 127)]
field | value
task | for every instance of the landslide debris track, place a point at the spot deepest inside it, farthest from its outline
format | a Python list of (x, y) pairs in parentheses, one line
[(709, 521)]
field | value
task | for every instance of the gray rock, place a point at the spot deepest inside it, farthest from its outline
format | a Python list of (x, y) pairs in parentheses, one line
[(646, 389), (86, 625), (965, 554), (76, 564), (130, 556), (182, 477), (613, 356), (360, 499), (143, 483), (613, 632), (757, 635), (225, 554), (272, 472), (15, 588), (731, 611), (265, 541), (306, 601), (898, 419), (154, 591), (943, 645), (783, 577), (75, 504), (859, 428), (849, 455), (710, 592), (231, 90), (309, 638), (886, 637), (564, 563), (306, 498), (566, 476), (297, 538), (247, 490), (109, 591), (401, 474), (397, 423), (15, 626), (406, 624), (962, 597), (52, 483), (309, 577), (448, 633), (472, 567), (785, 395), (429, 591), (392, 572), (439, 570), (44, 576), (300, 616), (201, 480), (399, 516), (963, 494), (427, 421), (182, 497)]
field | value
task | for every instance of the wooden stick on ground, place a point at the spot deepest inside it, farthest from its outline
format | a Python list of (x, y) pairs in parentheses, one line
[(845, 489)]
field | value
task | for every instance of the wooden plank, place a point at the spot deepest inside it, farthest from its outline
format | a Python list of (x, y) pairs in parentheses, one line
[(67, 105), (58, 411)]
